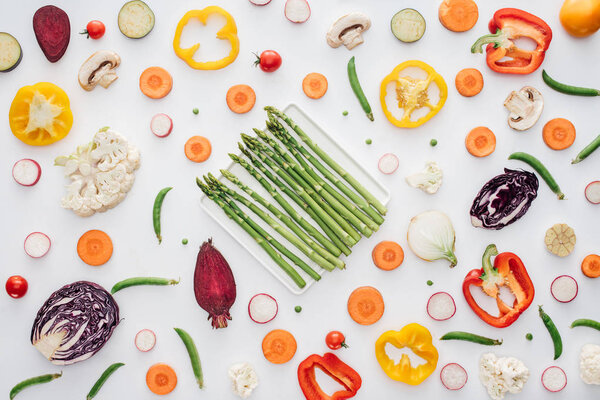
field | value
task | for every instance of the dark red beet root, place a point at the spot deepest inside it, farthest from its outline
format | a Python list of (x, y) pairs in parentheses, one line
[(52, 31)]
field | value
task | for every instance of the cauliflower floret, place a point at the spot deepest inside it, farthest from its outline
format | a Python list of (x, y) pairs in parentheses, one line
[(502, 374), (589, 364), (244, 379), (428, 180), (102, 172)]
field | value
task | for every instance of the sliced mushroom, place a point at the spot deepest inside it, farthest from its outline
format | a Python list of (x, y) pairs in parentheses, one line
[(347, 30), (99, 69), (525, 108)]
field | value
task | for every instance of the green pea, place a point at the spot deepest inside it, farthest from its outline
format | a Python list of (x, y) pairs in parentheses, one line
[(529, 336), (297, 309), (184, 241), (429, 283), (433, 142), (344, 113), (195, 111), (368, 141)]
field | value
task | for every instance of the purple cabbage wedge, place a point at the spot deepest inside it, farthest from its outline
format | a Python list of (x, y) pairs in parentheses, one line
[(74, 323), (504, 199)]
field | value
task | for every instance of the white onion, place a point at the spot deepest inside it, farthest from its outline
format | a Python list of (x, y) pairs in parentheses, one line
[(431, 236)]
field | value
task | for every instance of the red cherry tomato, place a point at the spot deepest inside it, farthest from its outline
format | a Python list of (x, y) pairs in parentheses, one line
[(335, 340), (269, 60), (94, 29), (16, 286)]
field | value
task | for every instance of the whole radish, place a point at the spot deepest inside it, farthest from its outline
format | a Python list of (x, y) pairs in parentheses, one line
[(214, 285)]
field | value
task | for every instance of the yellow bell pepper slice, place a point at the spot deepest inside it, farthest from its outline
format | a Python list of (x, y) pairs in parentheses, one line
[(417, 338), (40, 114), (411, 94), (227, 32)]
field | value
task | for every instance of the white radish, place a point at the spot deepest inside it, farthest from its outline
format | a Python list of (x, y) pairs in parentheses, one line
[(564, 288), (554, 379), (260, 2), (27, 172), (145, 340), (37, 244), (161, 125), (297, 11), (592, 192), (453, 376), (262, 308), (441, 306), (388, 163)]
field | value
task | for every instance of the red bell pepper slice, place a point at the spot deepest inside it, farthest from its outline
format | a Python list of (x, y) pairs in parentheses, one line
[(508, 270), (506, 25), (336, 369)]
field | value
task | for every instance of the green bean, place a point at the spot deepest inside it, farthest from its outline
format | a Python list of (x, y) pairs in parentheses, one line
[(32, 381), (160, 197), (540, 169), (587, 150), (470, 337), (142, 281), (568, 89), (357, 89), (194, 357), (103, 378), (553, 331), (590, 323)]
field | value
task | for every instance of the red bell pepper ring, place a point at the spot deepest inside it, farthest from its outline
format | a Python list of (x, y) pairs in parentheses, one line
[(336, 369), (508, 270), (506, 25)]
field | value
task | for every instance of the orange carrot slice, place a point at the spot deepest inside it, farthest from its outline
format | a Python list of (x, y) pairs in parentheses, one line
[(240, 98), (314, 85), (156, 82), (161, 379), (388, 255), (94, 247), (469, 82), (197, 149), (590, 266), (558, 133), (279, 346), (458, 15), (480, 142), (365, 305)]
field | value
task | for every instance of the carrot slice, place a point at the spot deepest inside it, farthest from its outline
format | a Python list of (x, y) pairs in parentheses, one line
[(161, 379), (279, 346), (365, 305), (469, 82), (458, 15), (156, 82), (197, 149), (314, 85), (94, 247), (388, 255), (240, 98), (558, 133), (590, 266), (480, 142)]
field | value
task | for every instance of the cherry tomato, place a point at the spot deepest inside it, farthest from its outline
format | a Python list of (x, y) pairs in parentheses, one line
[(94, 29), (269, 60), (335, 340), (16, 286)]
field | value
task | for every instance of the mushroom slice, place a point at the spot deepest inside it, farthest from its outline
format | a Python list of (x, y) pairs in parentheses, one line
[(347, 30), (99, 69), (525, 108)]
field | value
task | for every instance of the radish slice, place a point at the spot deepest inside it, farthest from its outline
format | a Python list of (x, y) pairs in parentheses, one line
[(37, 244), (564, 288), (453, 376), (145, 340), (27, 172), (260, 2), (161, 125), (592, 192), (388, 163), (297, 11), (554, 379), (262, 308), (441, 306)]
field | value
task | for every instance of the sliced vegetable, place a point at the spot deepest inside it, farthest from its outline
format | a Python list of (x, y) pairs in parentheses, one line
[(26, 172), (279, 346), (458, 15), (197, 149), (268, 61), (142, 281), (553, 331), (145, 340), (260, 2), (336, 340), (156, 210), (347, 30), (365, 305), (587, 150), (560, 239), (335, 368), (431, 237), (95, 247), (590, 323), (480, 142), (568, 89), (19, 387), (468, 81), (161, 379), (525, 107), (52, 30), (136, 19), (240, 98), (37, 244), (102, 380), (156, 82), (429, 179), (408, 25), (441, 306), (314, 85), (262, 308), (471, 337), (388, 163), (16, 286), (94, 29), (558, 133), (554, 379), (387, 255), (590, 266), (564, 288), (11, 53), (540, 169), (297, 11), (99, 69), (161, 125), (453, 376), (194, 357), (357, 89), (592, 192)]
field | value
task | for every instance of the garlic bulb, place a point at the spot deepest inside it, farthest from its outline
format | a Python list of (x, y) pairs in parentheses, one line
[(431, 236)]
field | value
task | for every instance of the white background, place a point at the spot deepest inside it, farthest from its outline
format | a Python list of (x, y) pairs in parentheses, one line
[(304, 50)]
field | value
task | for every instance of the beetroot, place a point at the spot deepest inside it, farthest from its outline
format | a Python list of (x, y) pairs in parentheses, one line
[(52, 31), (214, 285)]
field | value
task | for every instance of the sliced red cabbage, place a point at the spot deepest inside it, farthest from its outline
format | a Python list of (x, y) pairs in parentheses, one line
[(504, 199), (74, 323)]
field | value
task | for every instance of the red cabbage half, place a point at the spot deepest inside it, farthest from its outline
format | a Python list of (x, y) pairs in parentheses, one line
[(504, 199), (74, 323)]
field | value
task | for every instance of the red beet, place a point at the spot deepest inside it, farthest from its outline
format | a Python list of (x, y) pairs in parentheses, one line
[(52, 31), (214, 285)]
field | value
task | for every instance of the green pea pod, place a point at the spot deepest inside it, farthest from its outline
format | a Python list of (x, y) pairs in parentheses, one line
[(142, 281), (36, 380), (357, 89), (568, 89), (103, 378), (156, 210), (554, 334), (470, 337)]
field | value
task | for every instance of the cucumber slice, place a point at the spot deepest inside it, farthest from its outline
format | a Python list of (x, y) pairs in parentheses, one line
[(10, 52), (136, 19), (408, 25)]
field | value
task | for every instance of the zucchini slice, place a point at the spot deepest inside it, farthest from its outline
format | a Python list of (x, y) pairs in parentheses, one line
[(408, 25), (10, 52), (136, 19)]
